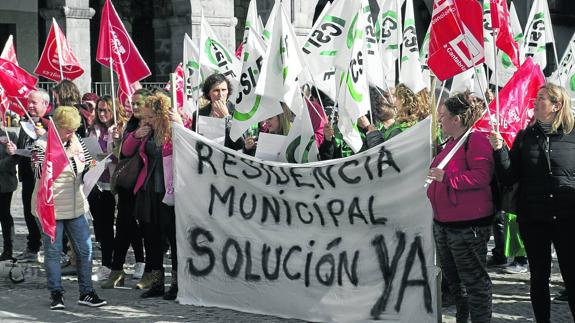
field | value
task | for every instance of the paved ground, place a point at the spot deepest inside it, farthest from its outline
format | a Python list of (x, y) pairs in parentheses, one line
[(29, 301)]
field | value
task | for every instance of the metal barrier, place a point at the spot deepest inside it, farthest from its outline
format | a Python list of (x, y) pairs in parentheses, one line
[(103, 88)]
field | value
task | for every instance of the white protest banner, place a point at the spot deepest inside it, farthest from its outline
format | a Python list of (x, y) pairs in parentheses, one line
[(346, 240)]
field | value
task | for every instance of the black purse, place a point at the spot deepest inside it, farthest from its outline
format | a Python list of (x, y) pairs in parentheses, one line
[(126, 173)]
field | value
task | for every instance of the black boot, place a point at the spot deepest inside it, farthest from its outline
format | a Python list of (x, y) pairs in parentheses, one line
[(7, 234), (172, 293), (157, 289)]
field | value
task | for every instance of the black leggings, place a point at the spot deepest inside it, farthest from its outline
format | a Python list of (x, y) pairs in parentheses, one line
[(537, 238), (160, 228), (6, 221), (127, 231), (103, 207)]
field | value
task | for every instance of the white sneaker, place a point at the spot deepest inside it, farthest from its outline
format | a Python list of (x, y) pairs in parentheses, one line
[(101, 274), (138, 270), (516, 268)]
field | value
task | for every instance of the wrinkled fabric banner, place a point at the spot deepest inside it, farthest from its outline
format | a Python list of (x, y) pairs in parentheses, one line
[(345, 240)]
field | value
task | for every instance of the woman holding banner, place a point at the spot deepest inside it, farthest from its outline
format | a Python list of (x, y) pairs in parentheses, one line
[(542, 162), (462, 203), (70, 207)]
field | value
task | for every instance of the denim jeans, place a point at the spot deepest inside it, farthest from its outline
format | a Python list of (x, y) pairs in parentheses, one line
[(78, 230)]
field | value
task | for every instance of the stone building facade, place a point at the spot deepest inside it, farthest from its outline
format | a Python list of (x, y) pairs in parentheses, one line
[(158, 26)]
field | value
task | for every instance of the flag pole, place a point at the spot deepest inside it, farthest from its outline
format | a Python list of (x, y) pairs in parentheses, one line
[(174, 95), (495, 31), (4, 127), (58, 48)]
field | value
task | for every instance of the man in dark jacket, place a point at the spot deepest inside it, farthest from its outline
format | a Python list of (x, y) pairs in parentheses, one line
[(38, 103)]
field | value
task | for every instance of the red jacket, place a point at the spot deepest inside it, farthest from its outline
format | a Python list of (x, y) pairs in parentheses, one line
[(465, 192)]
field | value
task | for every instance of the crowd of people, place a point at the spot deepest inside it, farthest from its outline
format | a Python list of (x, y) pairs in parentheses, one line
[(141, 215)]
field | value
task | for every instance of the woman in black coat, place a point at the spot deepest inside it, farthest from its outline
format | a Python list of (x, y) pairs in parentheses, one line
[(542, 161), (8, 184)]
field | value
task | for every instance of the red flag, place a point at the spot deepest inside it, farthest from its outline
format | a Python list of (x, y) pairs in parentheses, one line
[(55, 160), (179, 85), (115, 43), (456, 37), (515, 102), (16, 83), (58, 54), (500, 21), (9, 51)]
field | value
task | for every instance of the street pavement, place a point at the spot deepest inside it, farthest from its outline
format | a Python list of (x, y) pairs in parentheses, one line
[(29, 301)]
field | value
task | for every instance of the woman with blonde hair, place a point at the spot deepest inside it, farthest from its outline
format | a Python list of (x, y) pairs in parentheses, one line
[(412, 107), (542, 162), (70, 208), (153, 208)]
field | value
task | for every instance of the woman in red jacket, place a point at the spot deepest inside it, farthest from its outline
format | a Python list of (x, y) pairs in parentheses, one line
[(461, 198)]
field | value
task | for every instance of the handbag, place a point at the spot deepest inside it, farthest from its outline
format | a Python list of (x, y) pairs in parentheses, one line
[(126, 173), (12, 270)]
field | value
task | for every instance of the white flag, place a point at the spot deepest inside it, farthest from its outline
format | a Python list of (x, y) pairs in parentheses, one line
[(565, 75), (410, 74), (374, 68), (251, 108), (300, 146), (390, 37), (194, 74), (423, 55), (538, 32), (329, 43), (282, 64), (253, 22), (354, 100), (214, 54)]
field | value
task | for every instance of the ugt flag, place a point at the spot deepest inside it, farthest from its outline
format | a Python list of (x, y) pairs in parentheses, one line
[(55, 161), (515, 102), (15, 80), (456, 37), (58, 61), (9, 51)]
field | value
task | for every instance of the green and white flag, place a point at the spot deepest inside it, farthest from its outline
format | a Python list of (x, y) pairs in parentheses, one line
[(538, 33), (214, 53), (423, 55), (374, 68), (565, 75), (300, 146), (410, 73), (251, 108), (329, 43), (194, 74), (268, 29), (390, 37), (282, 63), (253, 22), (354, 100)]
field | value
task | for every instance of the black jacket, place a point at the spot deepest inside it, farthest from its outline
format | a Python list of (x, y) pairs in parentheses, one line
[(544, 167), (8, 180), (205, 111)]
